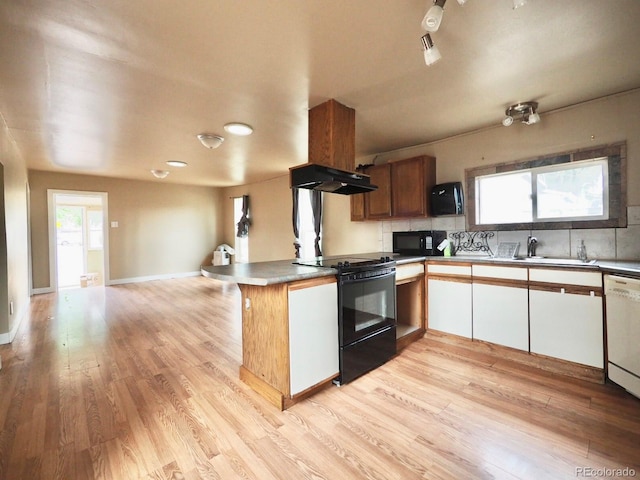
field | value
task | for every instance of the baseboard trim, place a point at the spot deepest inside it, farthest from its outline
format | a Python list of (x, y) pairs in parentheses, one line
[(168, 276), (8, 337)]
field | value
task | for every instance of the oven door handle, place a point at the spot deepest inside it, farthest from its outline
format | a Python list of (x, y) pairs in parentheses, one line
[(344, 279)]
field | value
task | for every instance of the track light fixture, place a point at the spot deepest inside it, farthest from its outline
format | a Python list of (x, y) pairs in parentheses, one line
[(431, 52), (526, 111), (431, 21), (518, 3)]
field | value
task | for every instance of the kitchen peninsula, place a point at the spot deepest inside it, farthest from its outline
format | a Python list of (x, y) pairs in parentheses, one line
[(290, 346)]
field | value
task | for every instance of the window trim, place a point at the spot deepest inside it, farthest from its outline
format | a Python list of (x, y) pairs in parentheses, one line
[(616, 155)]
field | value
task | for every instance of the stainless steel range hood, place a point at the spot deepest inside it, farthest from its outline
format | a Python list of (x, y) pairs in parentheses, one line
[(328, 179)]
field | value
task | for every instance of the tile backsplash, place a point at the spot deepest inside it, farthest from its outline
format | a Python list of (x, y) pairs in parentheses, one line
[(601, 243)]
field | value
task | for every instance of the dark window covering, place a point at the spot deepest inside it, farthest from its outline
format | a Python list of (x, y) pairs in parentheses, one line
[(295, 217), (243, 224), (316, 208)]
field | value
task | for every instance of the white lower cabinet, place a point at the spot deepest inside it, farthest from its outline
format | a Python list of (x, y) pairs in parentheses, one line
[(567, 326), (501, 305), (313, 336), (449, 299), (501, 315), (450, 307)]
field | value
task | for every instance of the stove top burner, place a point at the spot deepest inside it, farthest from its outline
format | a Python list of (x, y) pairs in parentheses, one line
[(347, 263)]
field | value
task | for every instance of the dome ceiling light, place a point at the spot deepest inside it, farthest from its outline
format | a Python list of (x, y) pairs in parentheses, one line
[(236, 128), (209, 140), (526, 111), (159, 173), (176, 163)]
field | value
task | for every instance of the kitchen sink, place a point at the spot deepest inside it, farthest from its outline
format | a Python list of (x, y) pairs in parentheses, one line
[(545, 260), (556, 261)]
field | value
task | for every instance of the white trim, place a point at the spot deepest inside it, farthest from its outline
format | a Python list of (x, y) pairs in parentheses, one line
[(8, 337), (51, 204), (166, 276), (40, 291)]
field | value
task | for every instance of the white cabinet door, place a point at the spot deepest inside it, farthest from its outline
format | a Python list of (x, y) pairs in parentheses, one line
[(450, 307), (567, 326), (501, 315), (313, 335)]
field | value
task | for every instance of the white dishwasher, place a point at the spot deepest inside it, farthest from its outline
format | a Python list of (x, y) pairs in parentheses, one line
[(623, 331)]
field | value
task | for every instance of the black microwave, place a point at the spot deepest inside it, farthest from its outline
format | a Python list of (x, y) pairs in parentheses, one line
[(422, 242)]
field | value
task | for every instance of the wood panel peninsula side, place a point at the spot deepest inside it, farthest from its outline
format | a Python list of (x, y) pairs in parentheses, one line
[(289, 351)]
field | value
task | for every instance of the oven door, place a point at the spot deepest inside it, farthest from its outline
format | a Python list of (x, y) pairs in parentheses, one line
[(365, 305)]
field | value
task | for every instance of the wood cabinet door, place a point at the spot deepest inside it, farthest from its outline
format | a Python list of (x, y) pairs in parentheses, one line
[(378, 202), (357, 207), (411, 182)]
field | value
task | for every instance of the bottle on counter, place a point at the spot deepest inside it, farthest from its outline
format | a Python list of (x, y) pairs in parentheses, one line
[(582, 251)]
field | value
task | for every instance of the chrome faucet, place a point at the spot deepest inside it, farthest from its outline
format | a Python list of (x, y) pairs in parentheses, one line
[(532, 243)]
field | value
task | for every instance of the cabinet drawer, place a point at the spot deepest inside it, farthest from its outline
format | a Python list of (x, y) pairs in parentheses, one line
[(464, 270), (409, 270), (567, 277), (504, 273)]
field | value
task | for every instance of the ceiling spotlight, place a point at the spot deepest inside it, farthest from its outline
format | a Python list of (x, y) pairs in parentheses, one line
[(518, 3), (176, 163), (210, 141), (159, 173), (431, 52), (431, 21), (526, 111), (507, 121), (238, 128)]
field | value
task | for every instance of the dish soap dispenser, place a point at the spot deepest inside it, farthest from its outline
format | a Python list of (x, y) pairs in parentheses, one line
[(582, 251)]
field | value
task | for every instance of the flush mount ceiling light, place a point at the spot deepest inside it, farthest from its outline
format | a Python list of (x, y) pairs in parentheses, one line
[(433, 18), (209, 140), (236, 128), (526, 111), (159, 173), (518, 3), (462, 2), (176, 163), (431, 52)]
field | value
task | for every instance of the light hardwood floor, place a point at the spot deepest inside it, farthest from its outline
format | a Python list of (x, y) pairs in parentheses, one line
[(141, 381)]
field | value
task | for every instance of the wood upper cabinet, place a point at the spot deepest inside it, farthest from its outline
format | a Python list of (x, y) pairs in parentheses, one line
[(411, 182), (332, 134), (404, 190), (377, 204)]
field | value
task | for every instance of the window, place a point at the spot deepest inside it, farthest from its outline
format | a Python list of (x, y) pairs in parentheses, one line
[(583, 189), (569, 191), (94, 223), (307, 230), (241, 243)]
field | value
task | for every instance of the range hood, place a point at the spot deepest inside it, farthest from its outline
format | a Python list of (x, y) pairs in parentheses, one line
[(328, 179), (332, 143)]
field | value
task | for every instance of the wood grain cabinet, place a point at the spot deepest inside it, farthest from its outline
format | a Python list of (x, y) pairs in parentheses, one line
[(377, 204), (410, 303), (404, 190), (289, 350), (566, 315)]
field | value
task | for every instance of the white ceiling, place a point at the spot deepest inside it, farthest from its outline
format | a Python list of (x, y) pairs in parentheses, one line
[(119, 87)]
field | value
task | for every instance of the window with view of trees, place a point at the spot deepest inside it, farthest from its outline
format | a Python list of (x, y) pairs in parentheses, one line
[(583, 189)]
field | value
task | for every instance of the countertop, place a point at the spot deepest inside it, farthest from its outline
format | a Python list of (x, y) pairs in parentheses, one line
[(284, 271)]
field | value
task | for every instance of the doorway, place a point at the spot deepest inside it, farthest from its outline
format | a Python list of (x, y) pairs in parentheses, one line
[(78, 244)]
